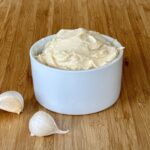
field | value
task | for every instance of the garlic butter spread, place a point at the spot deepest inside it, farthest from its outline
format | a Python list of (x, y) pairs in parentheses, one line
[(78, 49)]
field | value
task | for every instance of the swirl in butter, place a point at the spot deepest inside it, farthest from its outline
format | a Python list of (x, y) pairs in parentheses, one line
[(78, 49)]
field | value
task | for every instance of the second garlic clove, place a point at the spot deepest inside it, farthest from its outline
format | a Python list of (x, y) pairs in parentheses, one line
[(11, 101), (42, 124)]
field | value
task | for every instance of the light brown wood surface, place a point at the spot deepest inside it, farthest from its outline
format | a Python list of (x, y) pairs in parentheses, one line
[(124, 126)]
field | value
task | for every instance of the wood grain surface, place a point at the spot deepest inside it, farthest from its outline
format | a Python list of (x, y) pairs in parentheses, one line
[(124, 126)]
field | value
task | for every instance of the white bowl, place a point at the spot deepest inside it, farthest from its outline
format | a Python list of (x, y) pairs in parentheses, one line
[(75, 92)]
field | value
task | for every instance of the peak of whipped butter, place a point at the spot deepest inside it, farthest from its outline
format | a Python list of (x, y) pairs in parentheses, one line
[(78, 49)]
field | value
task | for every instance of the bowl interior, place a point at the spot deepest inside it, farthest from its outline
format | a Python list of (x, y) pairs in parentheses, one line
[(39, 46)]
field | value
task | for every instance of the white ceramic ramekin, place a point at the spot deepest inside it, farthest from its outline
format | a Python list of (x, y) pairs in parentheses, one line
[(75, 92)]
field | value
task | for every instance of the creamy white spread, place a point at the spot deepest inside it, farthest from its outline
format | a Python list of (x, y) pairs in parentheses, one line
[(78, 49)]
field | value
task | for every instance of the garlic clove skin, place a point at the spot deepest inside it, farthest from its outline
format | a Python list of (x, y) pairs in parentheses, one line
[(42, 124), (11, 101)]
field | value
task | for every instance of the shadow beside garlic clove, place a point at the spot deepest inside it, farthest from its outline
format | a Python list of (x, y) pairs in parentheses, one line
[(42, 124), (11, 101)]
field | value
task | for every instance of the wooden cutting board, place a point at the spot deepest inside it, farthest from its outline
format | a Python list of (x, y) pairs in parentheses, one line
[(126, 125)]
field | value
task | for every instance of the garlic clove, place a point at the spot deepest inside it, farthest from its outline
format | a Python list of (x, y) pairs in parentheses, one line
[(11, 101), (42, 124)]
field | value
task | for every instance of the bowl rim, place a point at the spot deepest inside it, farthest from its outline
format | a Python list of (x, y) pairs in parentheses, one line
[(32, 57)]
